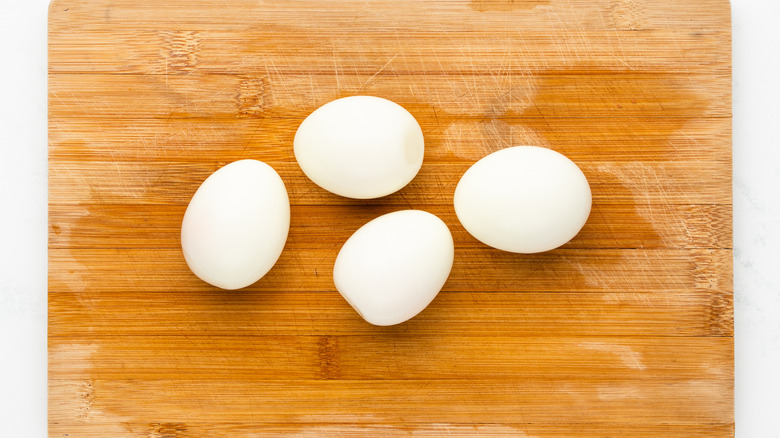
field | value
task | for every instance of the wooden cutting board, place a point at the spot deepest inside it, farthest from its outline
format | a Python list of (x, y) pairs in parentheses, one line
[(626, 331)]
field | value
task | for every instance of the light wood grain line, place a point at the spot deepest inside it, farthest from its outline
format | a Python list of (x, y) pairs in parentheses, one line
[(466, 314), (469, 401), (447, 138), (564, 270), (438, 429), (609, 226), (619, 95), (154, 182)]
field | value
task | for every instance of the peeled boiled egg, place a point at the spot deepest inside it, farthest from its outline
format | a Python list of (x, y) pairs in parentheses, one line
[(523, 199), (360, 147), (236, 224), (391, 268)]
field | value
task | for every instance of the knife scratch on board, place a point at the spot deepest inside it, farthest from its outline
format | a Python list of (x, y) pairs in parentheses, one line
[(367, 82)]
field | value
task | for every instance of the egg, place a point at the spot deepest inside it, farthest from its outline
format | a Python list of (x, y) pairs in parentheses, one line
[(523, 199), (391, 268), (236, 224), (360, 147)]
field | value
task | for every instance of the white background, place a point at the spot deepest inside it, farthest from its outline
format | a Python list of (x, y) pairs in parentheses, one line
[(23, 221)]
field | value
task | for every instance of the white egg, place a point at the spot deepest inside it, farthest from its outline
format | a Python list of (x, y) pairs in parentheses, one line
[(391, 268), (236, 224), (360, 147), (523, 199)]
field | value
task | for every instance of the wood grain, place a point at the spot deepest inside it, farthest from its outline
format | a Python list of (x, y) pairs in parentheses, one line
[(668, 226), (626, 331), (450, 138), (465, 314)]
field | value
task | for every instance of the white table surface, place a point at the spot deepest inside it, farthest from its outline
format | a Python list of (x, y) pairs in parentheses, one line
[(23, 221)]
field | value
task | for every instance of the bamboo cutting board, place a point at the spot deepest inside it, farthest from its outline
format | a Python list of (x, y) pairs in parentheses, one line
[(626, 331)]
